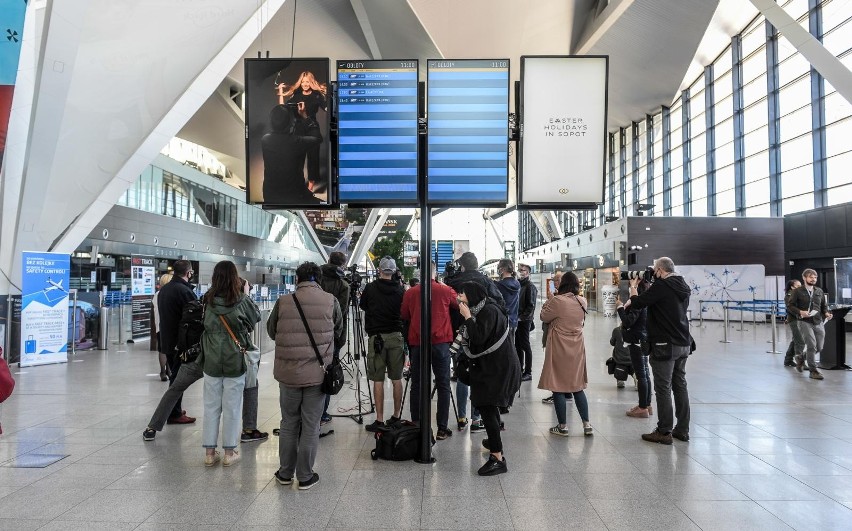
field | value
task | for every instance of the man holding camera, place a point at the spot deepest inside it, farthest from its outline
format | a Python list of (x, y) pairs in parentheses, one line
[(668, 335), (334, 283), (807, 303), (382, 303)]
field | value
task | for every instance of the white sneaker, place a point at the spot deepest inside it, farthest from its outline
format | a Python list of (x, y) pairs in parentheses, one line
[(231, 459)]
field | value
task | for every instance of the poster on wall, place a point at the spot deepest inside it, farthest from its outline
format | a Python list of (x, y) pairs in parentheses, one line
[(410, 253), (562, 131), (713, 285), (142, 286), (287, 133), (44, 308)]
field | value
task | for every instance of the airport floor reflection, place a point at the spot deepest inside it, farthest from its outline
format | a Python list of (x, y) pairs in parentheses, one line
[(770, 448)]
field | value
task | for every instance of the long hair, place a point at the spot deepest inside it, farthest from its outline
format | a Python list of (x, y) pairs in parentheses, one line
[(312, 82), (569, 284), (790, 285), (225, 283)]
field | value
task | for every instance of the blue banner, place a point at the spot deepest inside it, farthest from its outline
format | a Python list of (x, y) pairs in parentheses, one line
[(44, 308)]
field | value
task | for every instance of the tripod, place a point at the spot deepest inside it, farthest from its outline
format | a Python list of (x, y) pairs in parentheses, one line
[(358, 352), (406, 374)]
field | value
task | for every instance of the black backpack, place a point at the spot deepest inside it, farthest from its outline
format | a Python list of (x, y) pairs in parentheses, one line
[(400, 442), (190, 329)]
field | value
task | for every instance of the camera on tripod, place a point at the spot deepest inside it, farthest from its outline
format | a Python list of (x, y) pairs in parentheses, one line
[(353, 277), (645, 276), (450, 269)]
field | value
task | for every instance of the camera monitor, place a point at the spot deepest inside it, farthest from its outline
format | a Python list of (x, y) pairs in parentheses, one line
[(287, 133), (377, 132), (468, 111)]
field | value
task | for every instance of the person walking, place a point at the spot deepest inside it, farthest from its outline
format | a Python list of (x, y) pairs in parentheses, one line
[(808, 304), (564, 372), (797, 344)]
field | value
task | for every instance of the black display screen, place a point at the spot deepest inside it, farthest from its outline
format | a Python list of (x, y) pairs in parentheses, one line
[(468, 112), (377, 132)]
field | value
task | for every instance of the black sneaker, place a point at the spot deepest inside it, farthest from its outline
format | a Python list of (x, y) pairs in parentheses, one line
[(492, 467), (325, 419), (305, 485), (282, 480), (485, 444), (526, 377), (789, 364), (443, 433), (377, 425), (548, 400), (503, 410), (476, 426), (253, 435), (462, 423), (276, 432), (391, 421), (680, 436), (149, 434)]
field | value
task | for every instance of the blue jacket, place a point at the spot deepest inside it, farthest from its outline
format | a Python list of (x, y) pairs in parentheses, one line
[(510, 288)]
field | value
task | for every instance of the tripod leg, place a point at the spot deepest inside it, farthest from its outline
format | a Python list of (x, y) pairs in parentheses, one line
[(404, 392)]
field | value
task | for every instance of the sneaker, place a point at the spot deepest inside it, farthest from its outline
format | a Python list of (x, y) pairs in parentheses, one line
[(800, 363), (253, 435), (230, 459), (548, 400), (149, 434), (443, 433), (462, 423), (305, 485), (377, 425), (476, 426), (212, 459), (816, 375), (638, 412), (657, 437), (492, 467), (502, 426), (680, 436), (789, 364), (325, 419), (485, 444), (282, 480), (619, 384), (164, 376), (391, 421), (587, 430), (526, 377), (503, 410), (276, 431), (556, 430), (183, 419)]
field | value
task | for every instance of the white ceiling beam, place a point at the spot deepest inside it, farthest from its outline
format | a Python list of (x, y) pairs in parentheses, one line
[(366, 28)]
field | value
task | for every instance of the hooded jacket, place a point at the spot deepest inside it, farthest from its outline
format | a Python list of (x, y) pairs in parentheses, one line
[(494, 377), (667, 300), (527, 300), (456, 281), (220, 355), (332, 282), (382, 304), (510, 288)]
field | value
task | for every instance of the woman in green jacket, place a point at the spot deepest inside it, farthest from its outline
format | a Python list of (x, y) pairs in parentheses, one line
[(223, 361)]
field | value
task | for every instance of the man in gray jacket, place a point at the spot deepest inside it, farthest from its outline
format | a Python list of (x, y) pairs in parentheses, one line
[(299, 372), (807, 303)]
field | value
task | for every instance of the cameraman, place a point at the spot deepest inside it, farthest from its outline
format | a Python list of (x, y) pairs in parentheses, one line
[(332, 281), (382, 302), (670, 344)]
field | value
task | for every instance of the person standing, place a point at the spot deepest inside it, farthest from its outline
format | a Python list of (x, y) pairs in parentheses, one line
[(443, 299), (527, 301), (564, 372), (333, 281), (667, 300), (164, 360), (170, 302), (797, 344), (381, 301), (295, 319), (808, 303), (229, 320), (634, 332)]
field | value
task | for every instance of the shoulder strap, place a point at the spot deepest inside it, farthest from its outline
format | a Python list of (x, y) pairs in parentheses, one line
[(231, 333), (308, 330)]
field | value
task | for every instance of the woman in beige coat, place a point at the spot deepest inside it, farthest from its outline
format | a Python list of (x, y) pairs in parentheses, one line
[(564, 370)]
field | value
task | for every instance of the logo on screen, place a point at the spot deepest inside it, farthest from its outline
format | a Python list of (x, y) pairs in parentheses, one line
[(563, 191)]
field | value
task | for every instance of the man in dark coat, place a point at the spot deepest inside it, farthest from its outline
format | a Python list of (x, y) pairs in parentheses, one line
[(284, 151), (527, 302), (332, 282), (170, 302)]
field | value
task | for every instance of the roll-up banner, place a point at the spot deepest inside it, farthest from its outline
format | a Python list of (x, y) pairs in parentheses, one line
[(44, 308), (142, 281), (563, 131)]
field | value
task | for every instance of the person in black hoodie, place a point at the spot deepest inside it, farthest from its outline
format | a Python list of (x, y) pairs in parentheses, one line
[(526, 310), (332, 282), (634, 333), (670, 345), (382, 305)]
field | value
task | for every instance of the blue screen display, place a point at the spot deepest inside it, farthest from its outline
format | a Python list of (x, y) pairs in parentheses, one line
[(468, 112), (377, 132)]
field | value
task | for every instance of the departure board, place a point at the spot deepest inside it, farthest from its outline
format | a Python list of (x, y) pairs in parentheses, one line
[(377, 132), (468, 112)]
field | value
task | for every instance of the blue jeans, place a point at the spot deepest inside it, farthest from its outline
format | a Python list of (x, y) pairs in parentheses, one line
[(223, 400), (462, 392), (441, 369), (560, 403), (643, 375)]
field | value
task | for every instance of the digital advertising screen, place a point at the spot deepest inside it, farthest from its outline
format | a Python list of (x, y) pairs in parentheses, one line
[(377, 132), (287, 133), (468, 111), (562, 149)]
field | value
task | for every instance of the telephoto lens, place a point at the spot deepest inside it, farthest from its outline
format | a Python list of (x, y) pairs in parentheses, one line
[(456, 346)]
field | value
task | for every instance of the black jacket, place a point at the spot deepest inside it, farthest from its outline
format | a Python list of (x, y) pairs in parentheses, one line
[(667, 300), (456, 282), (170, 304), (382, 304), (332, 282), (634, 324), (494, 377), (283, 162), (527, 300), (799, 299)]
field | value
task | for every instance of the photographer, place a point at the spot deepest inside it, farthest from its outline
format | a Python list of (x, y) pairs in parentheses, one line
[(382, 302), (668, 335), (284, 149), (333, 282)]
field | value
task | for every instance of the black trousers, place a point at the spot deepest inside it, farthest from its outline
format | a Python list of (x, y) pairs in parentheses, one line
[(491, 419), (174, 366), (523, 347)]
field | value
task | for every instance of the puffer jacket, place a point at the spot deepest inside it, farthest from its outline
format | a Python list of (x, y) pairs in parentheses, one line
[(296, 362), (220, 356)]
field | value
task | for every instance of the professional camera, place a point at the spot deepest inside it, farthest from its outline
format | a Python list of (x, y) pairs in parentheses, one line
[(397, 276), (352, 277), (646, 276), (450, 269), (456, 346)]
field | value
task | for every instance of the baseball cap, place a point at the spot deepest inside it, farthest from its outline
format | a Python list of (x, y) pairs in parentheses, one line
[(387, 264)]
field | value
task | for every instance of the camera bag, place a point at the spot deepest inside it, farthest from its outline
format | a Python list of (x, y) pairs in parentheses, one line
[(400, 442)]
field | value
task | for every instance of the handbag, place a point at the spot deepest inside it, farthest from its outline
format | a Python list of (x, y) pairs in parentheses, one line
[(248, 356), (332, 381), (7, 383)]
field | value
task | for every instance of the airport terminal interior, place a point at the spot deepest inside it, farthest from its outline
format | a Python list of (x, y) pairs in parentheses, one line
[(589, 137)]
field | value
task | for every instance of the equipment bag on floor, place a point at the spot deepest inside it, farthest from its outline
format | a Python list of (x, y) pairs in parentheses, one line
[(399, 442)]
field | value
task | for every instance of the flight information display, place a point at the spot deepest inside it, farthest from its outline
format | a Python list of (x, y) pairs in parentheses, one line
[(377, 132), (468, 111)]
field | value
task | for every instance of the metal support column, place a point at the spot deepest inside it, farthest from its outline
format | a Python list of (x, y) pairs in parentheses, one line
[(818, 113), (686, 150), (773, 120), (739, 126), (710, 137), (667, 162), (622, 177), (634, 149), (649, 150)]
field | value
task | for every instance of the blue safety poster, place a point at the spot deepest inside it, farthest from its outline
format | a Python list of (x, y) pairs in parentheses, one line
[(44, 308)]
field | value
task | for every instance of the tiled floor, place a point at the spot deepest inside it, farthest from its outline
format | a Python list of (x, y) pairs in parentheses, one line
[(770, 449)]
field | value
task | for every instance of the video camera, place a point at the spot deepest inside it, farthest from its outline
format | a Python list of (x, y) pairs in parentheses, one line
[(646, 276), (353, 277), (450, 269)]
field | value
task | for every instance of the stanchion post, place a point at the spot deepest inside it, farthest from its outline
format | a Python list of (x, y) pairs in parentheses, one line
[(701, 313), (774, 332), (742, 314), (725, 323), (753, 311), (74, 322)]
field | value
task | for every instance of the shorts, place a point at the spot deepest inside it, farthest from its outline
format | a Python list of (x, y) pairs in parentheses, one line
[(390, 360)]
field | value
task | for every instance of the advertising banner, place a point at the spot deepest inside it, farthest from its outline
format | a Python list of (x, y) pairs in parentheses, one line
[(44, 308), (142, 284), (410, 253), (562, 131)]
